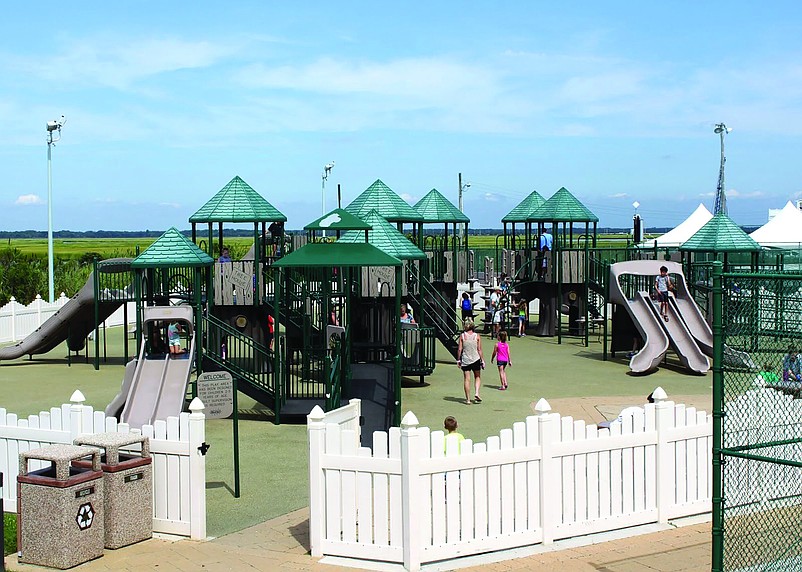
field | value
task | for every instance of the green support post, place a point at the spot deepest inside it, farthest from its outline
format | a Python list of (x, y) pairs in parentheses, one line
[(96, 288), (718, 414), (397, 357)]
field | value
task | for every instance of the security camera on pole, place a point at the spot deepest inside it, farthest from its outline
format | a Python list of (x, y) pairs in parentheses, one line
[(326, 170), (53, 136)]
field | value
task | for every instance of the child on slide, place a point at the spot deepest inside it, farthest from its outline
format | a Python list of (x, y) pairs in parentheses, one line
[(662, 284), (501, 353)]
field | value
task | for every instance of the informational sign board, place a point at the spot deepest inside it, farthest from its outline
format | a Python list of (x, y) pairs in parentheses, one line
[(216, 391)]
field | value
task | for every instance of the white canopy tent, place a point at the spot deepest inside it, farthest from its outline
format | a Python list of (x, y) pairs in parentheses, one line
[(682, 232), (783, 231)]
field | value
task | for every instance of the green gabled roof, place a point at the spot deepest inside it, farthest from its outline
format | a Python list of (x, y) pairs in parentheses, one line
[(436, 208), (328, 254), (237, 202), (171, 250), (720, 234), (338, 219), (382, 198), (385, 237), (525, 208), (562, 206)]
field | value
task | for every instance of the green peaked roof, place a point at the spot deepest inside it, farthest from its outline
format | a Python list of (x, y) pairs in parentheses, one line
[(170, 250), (237, 202), (382, 198), (385, 237), (562, 206), (720, 234), (436, 208), (525, 208), (338, 219)]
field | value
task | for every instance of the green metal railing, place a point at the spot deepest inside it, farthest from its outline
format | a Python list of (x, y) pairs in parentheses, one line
[(250, 361), (417, 350)]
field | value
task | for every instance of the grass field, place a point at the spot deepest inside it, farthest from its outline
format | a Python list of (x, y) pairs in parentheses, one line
[(115, 247)]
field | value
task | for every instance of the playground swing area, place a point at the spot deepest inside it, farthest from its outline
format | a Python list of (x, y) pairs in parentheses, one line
[(308, 327)]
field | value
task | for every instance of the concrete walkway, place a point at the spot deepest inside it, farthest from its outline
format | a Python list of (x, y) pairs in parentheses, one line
[(283, 544)]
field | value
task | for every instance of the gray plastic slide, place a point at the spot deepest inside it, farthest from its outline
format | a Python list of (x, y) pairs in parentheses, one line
[(72, 322), (676, 330), (158, 385)]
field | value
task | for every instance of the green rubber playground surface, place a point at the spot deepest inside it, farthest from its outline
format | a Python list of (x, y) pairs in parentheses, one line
[(273, 460)]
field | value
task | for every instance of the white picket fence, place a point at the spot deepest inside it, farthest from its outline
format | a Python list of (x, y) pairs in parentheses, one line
[(409, 500), (179, 468), (17, 321)]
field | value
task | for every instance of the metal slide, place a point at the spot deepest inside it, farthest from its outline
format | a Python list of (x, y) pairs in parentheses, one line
[(697, 325), (159, 383), (72, 322), (680, 335)]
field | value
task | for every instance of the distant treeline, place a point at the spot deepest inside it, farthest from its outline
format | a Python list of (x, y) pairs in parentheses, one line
[(249, 232)]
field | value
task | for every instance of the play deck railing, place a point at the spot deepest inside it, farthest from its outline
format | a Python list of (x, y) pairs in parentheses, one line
[(239, 354)]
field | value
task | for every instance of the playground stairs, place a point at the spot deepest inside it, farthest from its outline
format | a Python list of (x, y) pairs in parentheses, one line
[(245, 359), (440, 313)]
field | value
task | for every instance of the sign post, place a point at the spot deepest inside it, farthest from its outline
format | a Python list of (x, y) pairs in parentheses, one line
[(218, 392)]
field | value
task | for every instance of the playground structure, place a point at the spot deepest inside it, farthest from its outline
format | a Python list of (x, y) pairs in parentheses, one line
[(306, 320)]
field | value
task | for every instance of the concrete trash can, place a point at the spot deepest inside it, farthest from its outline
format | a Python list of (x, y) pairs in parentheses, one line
[(128, 486), (60, 507)]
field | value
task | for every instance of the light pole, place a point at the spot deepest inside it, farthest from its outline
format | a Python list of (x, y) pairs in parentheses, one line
[(462, 188), (721, 198), (326, 170), (53, 127)]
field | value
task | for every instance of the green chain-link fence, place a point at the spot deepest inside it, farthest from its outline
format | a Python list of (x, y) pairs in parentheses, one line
[(757, 503)]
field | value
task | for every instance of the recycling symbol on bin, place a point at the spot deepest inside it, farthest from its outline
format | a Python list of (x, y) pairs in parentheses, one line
[(85, 516)]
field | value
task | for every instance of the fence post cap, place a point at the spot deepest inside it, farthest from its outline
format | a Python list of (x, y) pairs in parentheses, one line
[(659, 394), (197, 405), (409, 421), (542, 406), (77, 397), (317, 414), (38, 297), (12, 299)]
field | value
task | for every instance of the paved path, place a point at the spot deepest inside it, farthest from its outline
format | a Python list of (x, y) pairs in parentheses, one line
[(283, 544)]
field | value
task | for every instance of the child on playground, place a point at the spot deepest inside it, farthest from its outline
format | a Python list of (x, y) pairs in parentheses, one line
[(502, 351), (450, 425), (466, 306), (663, 284), (174, 338), (523, 311), (791, 366)]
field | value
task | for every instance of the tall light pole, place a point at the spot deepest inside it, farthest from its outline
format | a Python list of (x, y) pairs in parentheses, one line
[(53, 135), (326, 170), (721, 197)]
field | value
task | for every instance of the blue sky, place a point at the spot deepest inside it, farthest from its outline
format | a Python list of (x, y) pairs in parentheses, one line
[(167, 101)]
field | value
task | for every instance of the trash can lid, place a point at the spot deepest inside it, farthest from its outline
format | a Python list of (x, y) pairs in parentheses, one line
[(60, 455), (112, 442)]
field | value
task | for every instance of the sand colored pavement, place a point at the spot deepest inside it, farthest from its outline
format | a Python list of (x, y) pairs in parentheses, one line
[(283, 544)]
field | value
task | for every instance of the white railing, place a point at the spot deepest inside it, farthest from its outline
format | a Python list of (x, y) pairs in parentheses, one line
[(416, 498), (18, 321), (179, 467)]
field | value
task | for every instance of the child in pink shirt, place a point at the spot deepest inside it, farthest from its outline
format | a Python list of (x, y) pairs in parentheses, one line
[(501, 353)]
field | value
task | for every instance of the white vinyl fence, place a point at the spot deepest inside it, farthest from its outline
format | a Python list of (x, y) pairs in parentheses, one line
[(179, 468), (17, 321), (415, 498)]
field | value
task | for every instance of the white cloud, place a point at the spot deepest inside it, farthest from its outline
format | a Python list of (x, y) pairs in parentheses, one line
[(619, 196), (409, 198), (735, 194), (29, 200)]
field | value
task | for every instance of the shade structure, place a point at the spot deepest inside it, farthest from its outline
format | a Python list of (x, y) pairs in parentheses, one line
[(525, 208), (382, 198), (171, 250), (562, 206), (782, 231), (720, 234), (322, 254), (682, 232), (338, 219), (436, 208), (237, 202), (385, 237)]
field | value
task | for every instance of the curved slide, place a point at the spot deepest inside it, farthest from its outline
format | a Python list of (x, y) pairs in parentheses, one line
[(685, 330), (72, 322), (158, 384)]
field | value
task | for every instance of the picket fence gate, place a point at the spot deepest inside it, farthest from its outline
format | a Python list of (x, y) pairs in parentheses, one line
[(17, 321), (179, 467), (416, 497)]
